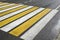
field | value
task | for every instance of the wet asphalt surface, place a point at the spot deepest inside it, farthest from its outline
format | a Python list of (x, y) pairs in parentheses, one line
[(51, 30)]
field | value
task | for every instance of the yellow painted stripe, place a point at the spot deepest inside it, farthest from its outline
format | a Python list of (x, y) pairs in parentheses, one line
[(13, 10), (7, 7), (9, 20), (3, 4), (23, 27)]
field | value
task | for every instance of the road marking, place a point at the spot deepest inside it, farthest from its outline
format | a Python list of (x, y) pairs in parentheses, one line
[(14, 13), (32, 32), (19, 21), (27, 24), (7, 6), (10, 8), (3, 4), (13, 10), (15, 17)]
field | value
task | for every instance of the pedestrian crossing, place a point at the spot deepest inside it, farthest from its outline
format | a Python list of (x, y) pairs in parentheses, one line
[(13, 10), (21, 20)]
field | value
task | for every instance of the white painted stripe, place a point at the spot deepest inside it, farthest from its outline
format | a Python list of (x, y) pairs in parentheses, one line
[(31, 33), (10, 8), (19, 21), (57, 7), (11, 14), (7, 5)]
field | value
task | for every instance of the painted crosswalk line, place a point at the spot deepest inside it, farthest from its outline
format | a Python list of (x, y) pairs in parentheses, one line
[(32, 32), (13, 18), (23, 21), (13, 10), (3, 4), (19, 21), (9, 9), (14, 13), (7, 6), (27, 24)]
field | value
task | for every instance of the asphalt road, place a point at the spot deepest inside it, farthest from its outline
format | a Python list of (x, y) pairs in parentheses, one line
[(51, 30)]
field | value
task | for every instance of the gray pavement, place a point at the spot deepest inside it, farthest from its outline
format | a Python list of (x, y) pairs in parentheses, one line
[(51, 30), (58, 38)]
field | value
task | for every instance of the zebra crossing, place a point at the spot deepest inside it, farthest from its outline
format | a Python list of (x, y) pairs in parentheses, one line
[(24, 21)]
